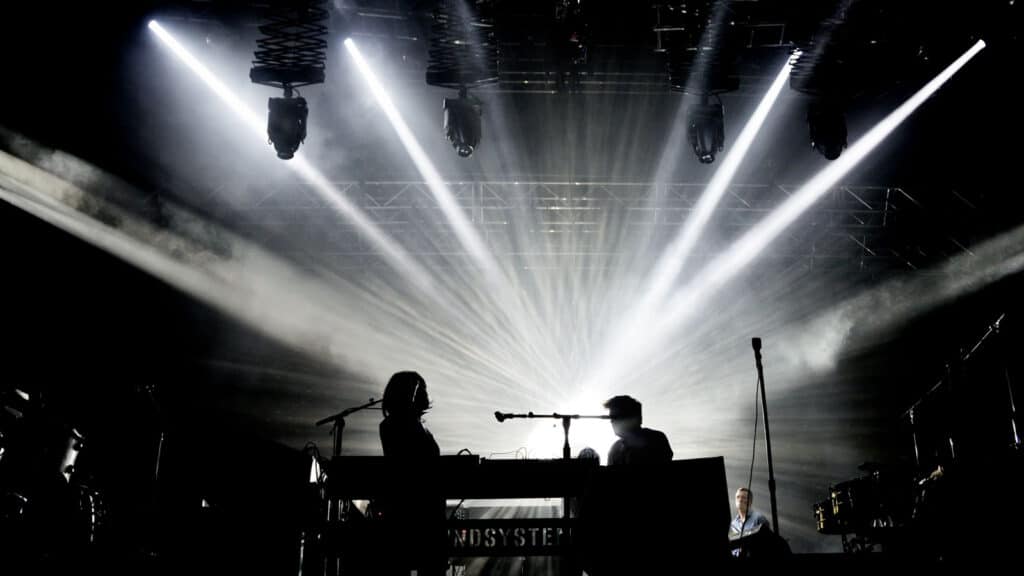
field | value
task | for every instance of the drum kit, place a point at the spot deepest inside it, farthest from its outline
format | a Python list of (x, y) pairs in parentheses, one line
[(881, 500), (890, 502), (46, 487)]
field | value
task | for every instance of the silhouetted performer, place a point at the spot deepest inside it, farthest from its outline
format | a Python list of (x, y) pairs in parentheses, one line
[(618, 527), (402, 434), (636, 445), (414, 511)]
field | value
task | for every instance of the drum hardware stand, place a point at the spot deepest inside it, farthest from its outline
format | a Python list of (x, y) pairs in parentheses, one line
[(913, 437), (993, 328), (756, 343), (149, 389), (334, 505), (856, 545), (1016, 443)]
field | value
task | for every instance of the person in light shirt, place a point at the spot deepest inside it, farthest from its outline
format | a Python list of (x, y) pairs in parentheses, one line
[(747, 520)]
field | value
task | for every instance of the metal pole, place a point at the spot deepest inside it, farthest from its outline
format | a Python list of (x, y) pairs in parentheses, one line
[(767, 434)]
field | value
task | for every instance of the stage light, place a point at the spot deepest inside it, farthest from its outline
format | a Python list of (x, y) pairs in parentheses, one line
[(313, 177), (706, 129), (462, 123), (467, 235), (676, 254), (750, 245), (286, 124), (827, 124), (635, 347), (645, 309), (290, 53)]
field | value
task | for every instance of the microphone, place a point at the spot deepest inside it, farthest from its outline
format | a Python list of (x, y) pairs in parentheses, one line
[(756, 342), (499, 416)]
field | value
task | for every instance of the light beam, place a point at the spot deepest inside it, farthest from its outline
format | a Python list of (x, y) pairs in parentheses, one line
[(464, 230), (393, 253), (673, 258), (743, 251)]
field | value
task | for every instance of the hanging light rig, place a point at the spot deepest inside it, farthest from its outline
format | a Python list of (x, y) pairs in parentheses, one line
[(831, 70), (700, 64), (290, 54), (463, 54)]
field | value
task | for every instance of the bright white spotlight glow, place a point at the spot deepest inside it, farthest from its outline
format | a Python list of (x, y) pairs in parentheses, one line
[(547, 436), (471, 241), (675, 254), (313, 177), (547, 439), (744, 250)]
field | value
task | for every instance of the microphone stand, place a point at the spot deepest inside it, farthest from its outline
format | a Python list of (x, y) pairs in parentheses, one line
[(339, 423), (333, 505), (756, 342), (565, 418), (566, 453)]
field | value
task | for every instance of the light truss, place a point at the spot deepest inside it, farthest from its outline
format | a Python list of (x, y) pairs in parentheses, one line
[(863, 227)]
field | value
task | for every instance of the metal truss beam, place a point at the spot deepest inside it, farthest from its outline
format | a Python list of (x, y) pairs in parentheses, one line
[(863, 227)]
